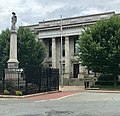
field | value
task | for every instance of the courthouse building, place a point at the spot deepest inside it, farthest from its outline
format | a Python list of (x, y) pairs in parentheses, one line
[(69, 29)]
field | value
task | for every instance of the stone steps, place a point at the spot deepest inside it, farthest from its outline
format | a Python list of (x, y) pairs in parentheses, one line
[(72, 88)]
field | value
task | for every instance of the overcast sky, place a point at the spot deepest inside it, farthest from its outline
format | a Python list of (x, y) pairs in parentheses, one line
[(34, 11)]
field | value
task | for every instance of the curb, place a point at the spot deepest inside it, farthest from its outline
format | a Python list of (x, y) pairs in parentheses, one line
[(27, 96), (92, 89), (102, 91)]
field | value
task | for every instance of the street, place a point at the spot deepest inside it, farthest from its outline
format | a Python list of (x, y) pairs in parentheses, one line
[(74, 104)]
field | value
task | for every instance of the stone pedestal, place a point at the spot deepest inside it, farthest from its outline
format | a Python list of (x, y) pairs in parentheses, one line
[(11, 73)]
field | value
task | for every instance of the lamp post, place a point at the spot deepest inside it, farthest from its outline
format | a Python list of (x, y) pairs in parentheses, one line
[(61, 65)]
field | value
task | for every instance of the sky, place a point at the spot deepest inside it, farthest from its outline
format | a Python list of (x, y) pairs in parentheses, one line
[(33, 11)]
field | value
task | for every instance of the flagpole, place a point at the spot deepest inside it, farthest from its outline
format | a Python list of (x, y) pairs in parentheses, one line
[(61, 49)]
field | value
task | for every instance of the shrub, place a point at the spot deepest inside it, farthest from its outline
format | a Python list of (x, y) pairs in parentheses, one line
[(106, 77), (18, 93), (107, 83), (6, 92)]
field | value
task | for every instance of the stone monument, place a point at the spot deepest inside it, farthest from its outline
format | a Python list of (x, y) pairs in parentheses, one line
[(13, 62), (13, 72)]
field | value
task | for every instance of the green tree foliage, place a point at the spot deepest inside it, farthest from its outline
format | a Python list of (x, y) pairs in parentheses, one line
[(99, 46), (30, 51), (4, 47)]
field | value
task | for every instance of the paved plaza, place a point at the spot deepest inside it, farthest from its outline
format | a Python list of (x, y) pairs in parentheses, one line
[(63, 104)]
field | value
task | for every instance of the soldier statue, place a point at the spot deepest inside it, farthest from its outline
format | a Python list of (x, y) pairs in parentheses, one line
[(13, 21)]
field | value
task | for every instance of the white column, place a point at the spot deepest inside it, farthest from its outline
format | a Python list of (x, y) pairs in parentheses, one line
[(54, 53), (13, 62), (67, 57), (81, 71)]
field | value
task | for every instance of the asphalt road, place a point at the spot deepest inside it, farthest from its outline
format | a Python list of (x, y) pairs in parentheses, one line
[(79, 104)]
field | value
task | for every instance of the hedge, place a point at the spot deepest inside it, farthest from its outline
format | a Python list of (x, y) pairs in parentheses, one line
[(106, 83)]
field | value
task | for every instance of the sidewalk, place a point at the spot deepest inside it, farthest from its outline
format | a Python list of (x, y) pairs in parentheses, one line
[(54, 96), (65, 89), (82, 89), (27, 96)]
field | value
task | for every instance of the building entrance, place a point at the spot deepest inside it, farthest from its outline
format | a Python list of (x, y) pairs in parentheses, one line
[(75, 70)]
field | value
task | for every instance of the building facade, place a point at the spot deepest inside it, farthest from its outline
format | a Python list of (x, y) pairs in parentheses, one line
[(60, 37)]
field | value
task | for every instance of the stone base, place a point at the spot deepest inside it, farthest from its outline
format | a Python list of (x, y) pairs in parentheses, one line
[(13, 64), (11, 74)]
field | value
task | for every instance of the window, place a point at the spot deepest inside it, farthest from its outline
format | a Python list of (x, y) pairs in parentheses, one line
[(63, 66), (63, 47), (76, 46), (50, 65), (50, 48)]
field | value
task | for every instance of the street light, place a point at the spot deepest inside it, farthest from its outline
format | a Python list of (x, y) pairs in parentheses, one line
[(61, 65)]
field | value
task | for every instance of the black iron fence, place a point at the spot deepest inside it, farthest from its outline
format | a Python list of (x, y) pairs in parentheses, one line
[(2, 75), (29, 79), (43, 79)]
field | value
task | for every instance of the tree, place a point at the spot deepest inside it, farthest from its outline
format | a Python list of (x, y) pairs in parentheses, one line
[(30, 51), (99, 47), (4, 47)]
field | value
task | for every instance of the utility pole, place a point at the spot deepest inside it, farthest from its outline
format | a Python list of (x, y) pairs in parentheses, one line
[(61, 53)]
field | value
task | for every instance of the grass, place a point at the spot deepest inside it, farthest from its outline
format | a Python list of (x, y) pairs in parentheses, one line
[(110, 88)]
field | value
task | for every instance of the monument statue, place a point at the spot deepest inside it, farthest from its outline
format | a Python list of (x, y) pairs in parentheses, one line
[(13, 62), (13, 21)]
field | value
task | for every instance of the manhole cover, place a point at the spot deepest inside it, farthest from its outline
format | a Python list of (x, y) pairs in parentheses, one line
[(58, 113)]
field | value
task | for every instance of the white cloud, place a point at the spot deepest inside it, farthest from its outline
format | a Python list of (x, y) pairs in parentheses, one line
[(33, 11), (92, 11)]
